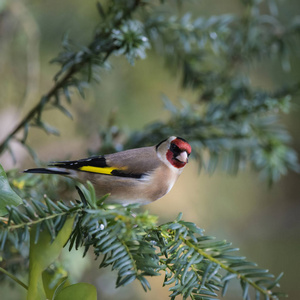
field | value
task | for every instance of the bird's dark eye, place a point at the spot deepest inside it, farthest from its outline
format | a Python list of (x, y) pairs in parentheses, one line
[(174, 148)]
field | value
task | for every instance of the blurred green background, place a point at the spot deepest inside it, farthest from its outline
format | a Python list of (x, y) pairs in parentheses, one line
[(264, 223)]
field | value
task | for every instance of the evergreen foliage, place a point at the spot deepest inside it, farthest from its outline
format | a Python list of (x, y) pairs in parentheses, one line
[(231, 125), (136, 247)]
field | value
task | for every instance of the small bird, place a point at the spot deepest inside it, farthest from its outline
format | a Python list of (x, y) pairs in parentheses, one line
[(140, 175)]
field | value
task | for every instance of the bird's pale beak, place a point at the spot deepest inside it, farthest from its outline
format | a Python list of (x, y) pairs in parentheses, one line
[(183, 157)]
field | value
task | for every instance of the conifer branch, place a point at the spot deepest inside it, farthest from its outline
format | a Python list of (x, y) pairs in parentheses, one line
[(265, 292), (136, 247)]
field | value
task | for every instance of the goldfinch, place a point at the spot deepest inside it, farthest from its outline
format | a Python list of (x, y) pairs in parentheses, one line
[(140, 175)]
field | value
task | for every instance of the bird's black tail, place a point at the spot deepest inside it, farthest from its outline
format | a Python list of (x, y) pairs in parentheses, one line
[(46, 171)]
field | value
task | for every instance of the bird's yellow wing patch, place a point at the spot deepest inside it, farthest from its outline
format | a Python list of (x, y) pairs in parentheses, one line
[(105, 170)]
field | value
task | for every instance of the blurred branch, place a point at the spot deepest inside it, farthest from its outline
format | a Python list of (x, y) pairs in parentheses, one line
[(37, 109), (230, 134), (105, 42), (210, 51)]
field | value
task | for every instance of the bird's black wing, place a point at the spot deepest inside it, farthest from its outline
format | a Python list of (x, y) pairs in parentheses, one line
[(97, 164)]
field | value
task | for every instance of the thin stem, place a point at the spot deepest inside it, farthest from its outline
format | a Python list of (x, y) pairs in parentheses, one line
[(225, 267), (14, 278), (16, 226)]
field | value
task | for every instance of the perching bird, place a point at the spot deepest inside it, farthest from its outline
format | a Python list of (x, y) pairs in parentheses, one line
[(140, 175)]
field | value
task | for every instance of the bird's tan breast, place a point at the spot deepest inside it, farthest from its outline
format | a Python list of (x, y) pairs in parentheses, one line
[(161, 182)]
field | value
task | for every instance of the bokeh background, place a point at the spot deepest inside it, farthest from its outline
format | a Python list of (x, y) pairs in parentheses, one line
[(263, 222)]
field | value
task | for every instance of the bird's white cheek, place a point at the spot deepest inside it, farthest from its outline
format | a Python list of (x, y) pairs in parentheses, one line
[(162, 157)]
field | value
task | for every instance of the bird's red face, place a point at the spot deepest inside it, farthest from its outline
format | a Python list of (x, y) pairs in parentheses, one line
[(179, 152)]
